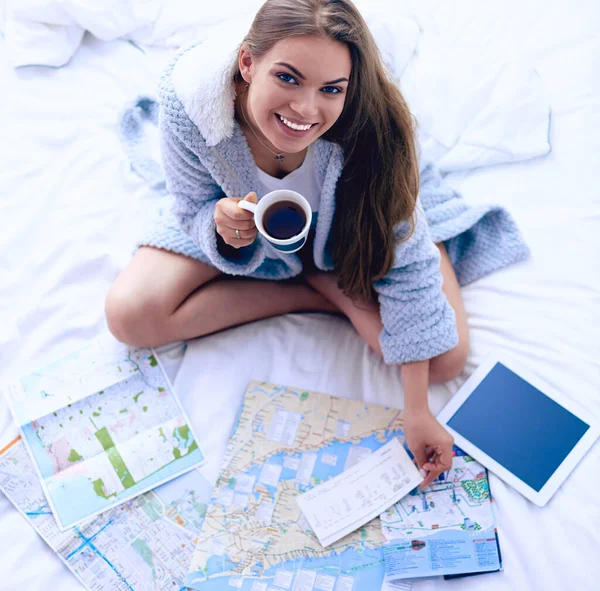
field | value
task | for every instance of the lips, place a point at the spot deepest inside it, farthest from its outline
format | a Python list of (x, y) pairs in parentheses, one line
[(295, 121), (293, 132)]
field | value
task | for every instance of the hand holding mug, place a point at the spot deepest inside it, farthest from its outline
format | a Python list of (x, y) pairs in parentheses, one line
[(283, 218), (235, 225)]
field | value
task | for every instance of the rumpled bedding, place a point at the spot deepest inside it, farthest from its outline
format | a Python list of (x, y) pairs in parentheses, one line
[(477, 105)]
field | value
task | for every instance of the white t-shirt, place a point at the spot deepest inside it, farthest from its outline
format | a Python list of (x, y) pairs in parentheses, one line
[(303, 180)]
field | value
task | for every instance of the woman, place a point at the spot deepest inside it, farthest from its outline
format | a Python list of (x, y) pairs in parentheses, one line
[(305, 103)]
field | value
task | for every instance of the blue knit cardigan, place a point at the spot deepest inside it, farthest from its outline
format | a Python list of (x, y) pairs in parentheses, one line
[(206, 157)]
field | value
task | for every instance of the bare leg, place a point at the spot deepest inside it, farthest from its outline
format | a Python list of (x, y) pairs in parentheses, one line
[(227, 302), (163, 297), (366, 319), (448, 366), (364, 316)]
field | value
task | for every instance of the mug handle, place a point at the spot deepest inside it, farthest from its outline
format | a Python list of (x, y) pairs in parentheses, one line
[(247, 205)]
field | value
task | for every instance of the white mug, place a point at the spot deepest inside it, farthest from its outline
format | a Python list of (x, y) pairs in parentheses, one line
[(288, 245)]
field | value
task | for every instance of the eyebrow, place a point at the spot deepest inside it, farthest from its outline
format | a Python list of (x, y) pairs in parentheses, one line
[(300, 75)]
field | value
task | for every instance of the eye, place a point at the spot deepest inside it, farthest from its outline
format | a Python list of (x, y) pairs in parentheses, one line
[(332, 89), (287, 78)]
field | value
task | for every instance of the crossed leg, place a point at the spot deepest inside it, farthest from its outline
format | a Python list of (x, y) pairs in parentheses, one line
[(366, 319), (163, 297)]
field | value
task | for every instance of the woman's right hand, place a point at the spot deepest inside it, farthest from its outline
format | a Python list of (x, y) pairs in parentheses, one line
[(229, 217)]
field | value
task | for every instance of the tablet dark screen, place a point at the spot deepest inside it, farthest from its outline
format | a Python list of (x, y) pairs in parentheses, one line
[(518, 426)]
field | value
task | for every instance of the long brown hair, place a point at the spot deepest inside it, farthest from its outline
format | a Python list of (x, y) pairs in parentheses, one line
[(380, 181)]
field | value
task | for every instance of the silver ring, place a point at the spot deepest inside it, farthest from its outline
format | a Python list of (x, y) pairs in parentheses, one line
[(238, 235)]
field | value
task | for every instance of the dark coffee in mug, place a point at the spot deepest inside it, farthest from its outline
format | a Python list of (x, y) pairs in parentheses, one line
[(284, 219)]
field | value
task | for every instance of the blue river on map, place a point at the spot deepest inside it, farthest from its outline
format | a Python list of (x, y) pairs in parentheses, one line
[(364, 565), (367, 570)]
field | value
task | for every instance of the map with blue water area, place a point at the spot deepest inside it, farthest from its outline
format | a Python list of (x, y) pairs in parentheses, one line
[(144, 544), (458, 500), (102, 426), (447, 528), (255, 537)]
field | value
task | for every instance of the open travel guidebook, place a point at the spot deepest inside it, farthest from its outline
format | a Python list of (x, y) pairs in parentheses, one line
[(448, 528), (102, 426)]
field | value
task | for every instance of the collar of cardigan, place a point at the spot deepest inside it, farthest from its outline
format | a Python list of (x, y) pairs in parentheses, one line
[(202, 78)]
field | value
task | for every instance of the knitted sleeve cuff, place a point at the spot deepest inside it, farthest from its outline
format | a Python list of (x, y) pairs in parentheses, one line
[(418, 343), (242, 261)]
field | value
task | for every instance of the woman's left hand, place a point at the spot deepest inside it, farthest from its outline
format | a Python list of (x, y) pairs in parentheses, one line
[(429, 442)]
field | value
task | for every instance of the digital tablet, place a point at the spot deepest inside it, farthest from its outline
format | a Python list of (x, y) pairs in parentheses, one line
[(527, 434)]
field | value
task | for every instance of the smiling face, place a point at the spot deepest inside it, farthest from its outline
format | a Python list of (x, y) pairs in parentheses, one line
[(297, 90)]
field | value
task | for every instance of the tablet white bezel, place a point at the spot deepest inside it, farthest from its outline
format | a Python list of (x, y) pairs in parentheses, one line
[(568, 464)]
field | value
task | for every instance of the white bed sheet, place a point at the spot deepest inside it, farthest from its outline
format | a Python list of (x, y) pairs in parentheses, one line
[(70, 208)]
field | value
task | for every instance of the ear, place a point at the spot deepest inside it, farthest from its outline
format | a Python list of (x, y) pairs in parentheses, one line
[(245, 63)]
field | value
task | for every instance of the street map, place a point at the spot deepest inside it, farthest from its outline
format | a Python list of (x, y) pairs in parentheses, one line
[(448, 528), (458, 499), (102, 426), (255, 537), (145, 544)]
